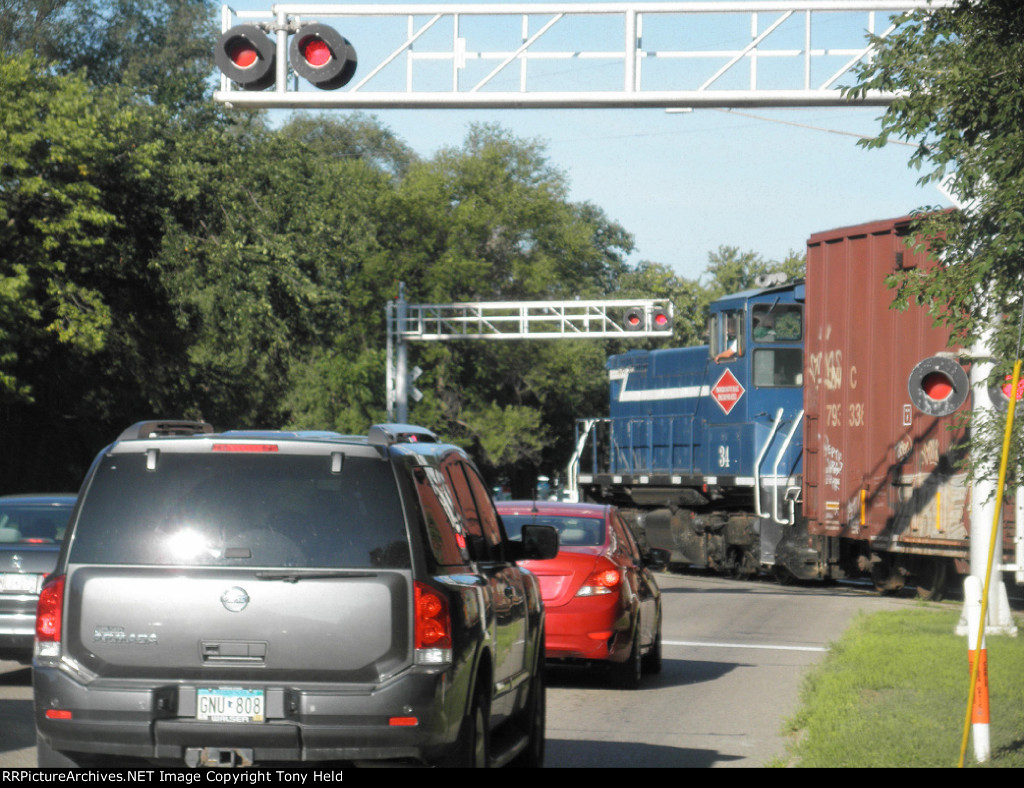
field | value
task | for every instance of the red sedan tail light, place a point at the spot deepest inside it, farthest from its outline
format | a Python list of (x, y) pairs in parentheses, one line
[(603, 581)]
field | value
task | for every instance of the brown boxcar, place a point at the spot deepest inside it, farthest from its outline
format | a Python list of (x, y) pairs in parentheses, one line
[(879, 473)]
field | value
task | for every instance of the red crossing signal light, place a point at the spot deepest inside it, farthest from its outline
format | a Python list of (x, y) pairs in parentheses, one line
[(246, 56), (634, 319), (637, 318), (322, 56), (938, 386)]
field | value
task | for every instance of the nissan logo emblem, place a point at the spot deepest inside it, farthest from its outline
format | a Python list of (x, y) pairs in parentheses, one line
[(234, 599)]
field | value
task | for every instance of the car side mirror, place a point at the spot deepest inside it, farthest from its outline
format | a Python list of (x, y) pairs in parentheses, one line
[(539, 543)]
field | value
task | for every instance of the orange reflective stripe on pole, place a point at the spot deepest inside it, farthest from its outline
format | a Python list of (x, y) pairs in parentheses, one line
[(979, 714)]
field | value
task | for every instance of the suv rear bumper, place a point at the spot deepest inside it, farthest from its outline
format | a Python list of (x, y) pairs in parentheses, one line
[(305, 723), (17, 635)]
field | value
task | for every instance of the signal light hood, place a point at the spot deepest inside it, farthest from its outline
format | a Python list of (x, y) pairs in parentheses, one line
[(247, 56), (322, 56)]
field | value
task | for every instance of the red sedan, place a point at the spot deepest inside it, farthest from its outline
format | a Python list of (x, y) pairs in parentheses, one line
[(602, 602)]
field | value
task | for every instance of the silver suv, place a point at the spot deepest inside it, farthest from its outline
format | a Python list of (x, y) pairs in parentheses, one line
[(255, 598)]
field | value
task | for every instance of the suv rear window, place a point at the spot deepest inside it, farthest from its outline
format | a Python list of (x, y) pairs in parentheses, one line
[(242, 510)]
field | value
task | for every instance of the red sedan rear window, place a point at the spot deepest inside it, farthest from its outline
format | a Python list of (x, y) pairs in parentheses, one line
[(572, 531)]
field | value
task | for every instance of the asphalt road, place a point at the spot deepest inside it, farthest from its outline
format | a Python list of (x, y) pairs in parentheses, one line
[(734, 655)]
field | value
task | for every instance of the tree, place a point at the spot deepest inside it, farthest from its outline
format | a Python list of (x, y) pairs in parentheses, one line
[(263, 261), (491, 221), (357, 136), (960, 75), (79, 220), (163, 48)]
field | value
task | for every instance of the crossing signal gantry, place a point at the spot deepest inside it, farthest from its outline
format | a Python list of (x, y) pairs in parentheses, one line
[(658, 54), (499, 320)]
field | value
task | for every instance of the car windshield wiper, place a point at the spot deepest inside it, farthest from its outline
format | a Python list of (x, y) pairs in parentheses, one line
[(293, 576)]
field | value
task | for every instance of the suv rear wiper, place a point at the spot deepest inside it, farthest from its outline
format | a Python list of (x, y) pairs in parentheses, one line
[(313, 574)]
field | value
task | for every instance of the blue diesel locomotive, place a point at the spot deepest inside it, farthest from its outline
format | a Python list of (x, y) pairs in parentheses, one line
[(703, 444)]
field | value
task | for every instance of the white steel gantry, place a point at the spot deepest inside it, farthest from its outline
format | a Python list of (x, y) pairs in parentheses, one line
[(723, 53), (496, 320)]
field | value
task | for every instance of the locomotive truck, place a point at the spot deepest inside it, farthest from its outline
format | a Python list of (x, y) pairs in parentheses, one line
[(807, 439)]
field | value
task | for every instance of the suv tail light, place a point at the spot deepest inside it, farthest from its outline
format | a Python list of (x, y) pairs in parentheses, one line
[(603, 581), (432, 626), (49, 617)]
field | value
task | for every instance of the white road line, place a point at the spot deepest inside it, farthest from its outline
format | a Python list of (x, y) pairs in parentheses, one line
[(696, 644)]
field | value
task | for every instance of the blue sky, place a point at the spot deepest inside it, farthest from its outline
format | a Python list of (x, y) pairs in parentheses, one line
[(684, 184)]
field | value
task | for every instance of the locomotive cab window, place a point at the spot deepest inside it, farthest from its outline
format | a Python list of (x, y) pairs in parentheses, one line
[(725, 330), (777, 322), (778, 367), (775, 325)]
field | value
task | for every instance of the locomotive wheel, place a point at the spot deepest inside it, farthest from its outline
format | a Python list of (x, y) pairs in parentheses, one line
[(740, 564), (930, 578)]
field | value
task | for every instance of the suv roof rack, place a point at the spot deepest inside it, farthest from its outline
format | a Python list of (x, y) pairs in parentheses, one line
[(141, 430), (328, 435), (389, 434)]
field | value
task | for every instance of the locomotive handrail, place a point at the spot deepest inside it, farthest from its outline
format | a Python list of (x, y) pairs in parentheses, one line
[(760, 458), (775, 472), (574, 462)]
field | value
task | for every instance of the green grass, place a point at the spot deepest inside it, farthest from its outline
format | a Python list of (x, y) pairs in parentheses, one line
[(893, 692)]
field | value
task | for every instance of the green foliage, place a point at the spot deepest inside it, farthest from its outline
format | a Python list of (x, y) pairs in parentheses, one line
[(960, 75), (119, 42), (64, 147), (161, 256), (337, 388), (490, 222), (356, 137), (260, 258), (893, 693)]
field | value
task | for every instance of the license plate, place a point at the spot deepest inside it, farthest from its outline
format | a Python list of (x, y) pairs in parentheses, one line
[(15, 583), (229, 704)]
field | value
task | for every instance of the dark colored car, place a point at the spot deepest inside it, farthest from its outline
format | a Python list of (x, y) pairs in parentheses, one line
[(602, 600), (31, 527), (282, 598)]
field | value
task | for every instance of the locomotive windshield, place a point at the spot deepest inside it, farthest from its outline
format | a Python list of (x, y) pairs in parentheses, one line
[(778, 322), (772, 325)]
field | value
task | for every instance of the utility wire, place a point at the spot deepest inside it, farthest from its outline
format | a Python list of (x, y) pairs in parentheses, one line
[(813, 128)]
